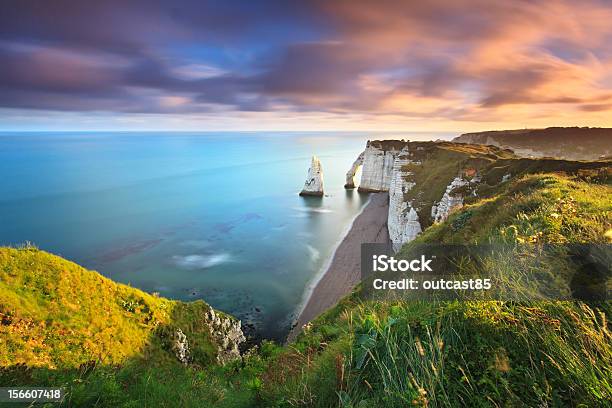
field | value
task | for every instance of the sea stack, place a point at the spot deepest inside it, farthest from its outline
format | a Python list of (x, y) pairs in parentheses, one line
[(314, 182)]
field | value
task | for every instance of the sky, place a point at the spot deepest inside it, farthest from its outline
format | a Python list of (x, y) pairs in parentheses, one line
[(432, 65)]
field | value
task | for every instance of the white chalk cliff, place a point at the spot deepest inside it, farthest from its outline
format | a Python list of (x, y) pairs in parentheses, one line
[(382, 163), (403, 220), (377, 168), (450, 201), (313, 186)]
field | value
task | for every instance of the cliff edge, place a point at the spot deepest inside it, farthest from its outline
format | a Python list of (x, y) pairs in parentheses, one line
[(57, 314), (428, 181)]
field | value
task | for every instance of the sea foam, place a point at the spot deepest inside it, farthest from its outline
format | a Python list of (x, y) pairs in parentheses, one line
[(201, 261)]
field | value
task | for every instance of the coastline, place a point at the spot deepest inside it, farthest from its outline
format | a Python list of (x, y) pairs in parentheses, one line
[(343, 270)]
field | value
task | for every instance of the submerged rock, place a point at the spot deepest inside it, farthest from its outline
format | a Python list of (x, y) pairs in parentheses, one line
[(313, 186)]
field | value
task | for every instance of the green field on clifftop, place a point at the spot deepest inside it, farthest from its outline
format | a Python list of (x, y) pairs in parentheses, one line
[(106, 343)]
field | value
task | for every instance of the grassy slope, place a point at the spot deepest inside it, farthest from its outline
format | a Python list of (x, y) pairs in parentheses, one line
[(441, 162), (540, 203), (404, 353), (56, 314), (108, 343), (594, 142), (359, 353)]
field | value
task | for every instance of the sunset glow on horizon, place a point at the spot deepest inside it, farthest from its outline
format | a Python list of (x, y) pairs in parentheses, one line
[(447, 66)]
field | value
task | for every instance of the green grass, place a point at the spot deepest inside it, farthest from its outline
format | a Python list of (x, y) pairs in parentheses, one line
[(480, 354), (107, 343), (539, 207), (475, 353), (57, 314), (439, 164)]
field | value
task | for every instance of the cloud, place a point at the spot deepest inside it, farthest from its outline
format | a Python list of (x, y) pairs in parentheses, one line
[(494, 54), (449, 60)]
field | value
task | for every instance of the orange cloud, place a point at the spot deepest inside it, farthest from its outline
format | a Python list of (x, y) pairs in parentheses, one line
[(488, 59)]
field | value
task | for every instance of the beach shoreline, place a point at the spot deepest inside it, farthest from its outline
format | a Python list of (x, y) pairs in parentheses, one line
[(344, 270)]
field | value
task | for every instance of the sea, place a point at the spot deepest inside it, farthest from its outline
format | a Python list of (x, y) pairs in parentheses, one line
[(188, 215)]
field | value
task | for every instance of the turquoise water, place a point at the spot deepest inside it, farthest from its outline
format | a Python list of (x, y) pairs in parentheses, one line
[(213, 216)]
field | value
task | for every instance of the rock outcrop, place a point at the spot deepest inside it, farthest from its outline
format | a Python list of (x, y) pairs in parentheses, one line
[(450, 201), (313, 186), (403, 219), (227, 334), (350, 175), (180, 347)]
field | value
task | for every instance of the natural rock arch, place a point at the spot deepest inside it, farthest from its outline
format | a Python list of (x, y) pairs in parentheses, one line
[(350, 175)]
